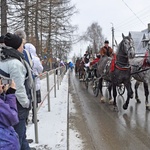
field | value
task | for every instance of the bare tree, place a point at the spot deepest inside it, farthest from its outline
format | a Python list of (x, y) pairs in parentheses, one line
[(46, 23), (3, 17), (94, 36)]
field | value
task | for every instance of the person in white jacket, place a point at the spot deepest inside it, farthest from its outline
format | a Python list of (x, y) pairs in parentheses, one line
[(37, 70)]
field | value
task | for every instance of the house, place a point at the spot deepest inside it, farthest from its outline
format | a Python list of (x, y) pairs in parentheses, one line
[(141, 39)]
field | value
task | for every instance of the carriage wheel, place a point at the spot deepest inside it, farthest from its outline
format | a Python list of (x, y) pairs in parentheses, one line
[(96, 89), (121, 89)]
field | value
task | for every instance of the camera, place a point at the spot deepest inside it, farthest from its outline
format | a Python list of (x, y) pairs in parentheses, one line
[(6, 81)]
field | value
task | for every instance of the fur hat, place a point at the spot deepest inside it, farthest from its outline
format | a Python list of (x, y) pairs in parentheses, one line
[(12, 40), (106, 42)]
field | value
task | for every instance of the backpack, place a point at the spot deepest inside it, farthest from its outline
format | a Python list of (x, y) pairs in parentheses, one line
[(29, 76)]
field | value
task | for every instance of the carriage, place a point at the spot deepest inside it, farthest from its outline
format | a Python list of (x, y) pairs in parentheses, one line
[(95, 83), (122, 74)]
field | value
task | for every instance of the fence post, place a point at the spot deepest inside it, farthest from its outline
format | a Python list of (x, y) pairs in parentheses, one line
[(57, 79), (55, 82), (48, 96), (35, 111), (60, 76)]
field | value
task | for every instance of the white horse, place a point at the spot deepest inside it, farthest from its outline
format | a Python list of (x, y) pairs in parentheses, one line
[(140, 72)]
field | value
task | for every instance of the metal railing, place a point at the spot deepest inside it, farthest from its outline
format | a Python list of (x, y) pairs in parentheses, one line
[(58, 75)]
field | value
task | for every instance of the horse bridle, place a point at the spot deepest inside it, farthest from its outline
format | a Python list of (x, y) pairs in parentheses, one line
[(131, 46), (127, 49)]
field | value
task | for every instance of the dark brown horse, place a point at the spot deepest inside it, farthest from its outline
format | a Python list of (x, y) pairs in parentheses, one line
[(77, 63), (118, 71), (79, 68)]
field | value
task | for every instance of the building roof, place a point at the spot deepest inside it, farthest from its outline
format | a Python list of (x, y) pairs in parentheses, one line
[(139, 37)]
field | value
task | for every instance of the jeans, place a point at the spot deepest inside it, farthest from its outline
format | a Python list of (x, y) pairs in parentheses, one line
[(20, 128)]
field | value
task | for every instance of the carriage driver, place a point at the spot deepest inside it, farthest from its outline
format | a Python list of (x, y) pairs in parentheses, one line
[(106, 50)]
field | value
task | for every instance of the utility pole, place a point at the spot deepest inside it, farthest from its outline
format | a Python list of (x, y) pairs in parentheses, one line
[(112, 36)]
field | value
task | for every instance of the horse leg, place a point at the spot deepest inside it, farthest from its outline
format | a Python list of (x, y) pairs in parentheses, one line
[(114, 96), (136, 91), (101, 90), (129, 94), (79, 74), (110, 96), (146, 90), (76, 70), (83, 75)]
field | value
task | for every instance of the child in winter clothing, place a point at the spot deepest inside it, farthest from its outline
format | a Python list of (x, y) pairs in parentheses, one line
[(8, 118)]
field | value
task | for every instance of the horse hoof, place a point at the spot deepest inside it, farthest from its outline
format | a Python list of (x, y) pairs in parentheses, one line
[(148, 107), (125, 106), (111, 101), (131, 96), (102, 100), (138, 100)]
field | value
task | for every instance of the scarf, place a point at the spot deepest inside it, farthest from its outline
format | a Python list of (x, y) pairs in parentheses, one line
[(7, 53)]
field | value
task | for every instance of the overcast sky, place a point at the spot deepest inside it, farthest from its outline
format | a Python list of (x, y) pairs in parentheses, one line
[(124, 15)]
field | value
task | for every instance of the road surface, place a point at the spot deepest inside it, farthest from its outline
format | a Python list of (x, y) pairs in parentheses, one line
[(102, 128)]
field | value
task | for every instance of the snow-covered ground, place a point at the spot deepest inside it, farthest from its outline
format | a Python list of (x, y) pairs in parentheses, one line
[(53, 130)]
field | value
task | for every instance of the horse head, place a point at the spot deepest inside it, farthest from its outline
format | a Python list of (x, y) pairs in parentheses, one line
[(128, 46)]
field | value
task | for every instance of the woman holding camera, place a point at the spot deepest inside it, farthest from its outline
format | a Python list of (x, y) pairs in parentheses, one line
[(9, 117)]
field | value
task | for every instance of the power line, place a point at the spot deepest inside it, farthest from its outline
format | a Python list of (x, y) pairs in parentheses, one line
[(133, 13), (141, 13)]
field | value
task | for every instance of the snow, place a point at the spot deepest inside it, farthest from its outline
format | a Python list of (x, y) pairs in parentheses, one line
[(52, 126)]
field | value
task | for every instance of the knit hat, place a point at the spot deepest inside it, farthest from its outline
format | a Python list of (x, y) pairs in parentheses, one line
[(2, 39), (12, 40)]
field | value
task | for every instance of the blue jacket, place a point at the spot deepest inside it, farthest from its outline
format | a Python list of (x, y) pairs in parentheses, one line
[(71, 65), (8, 118)]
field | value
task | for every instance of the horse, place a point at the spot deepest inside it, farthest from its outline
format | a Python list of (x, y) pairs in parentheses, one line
[(117, 70), (81, 71), (77, 63), (140, 72)]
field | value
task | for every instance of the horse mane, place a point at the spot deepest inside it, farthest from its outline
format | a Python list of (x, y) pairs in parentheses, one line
[(119, 46)]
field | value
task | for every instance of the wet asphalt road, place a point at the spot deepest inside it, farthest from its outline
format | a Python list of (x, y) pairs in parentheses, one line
[(109, 130)]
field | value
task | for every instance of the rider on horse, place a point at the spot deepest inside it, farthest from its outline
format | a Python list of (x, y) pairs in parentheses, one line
[(106, 50)]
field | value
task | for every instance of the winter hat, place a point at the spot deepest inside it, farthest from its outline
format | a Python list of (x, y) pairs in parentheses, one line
[(2, 39), (106, 42), (12, 40)]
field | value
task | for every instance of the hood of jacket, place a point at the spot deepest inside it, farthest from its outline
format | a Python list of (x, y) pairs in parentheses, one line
[(31, 49)]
